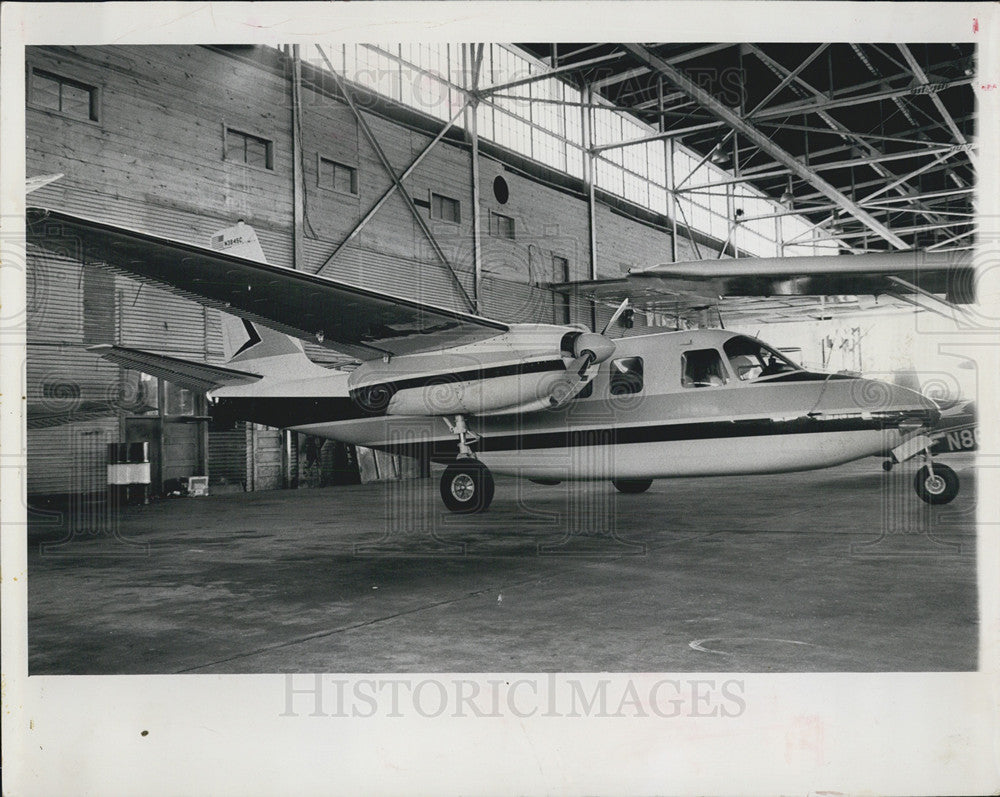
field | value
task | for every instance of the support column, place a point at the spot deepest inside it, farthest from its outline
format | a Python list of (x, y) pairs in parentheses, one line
[(671, 198), (472, 128), (298, 190), (587, 115)]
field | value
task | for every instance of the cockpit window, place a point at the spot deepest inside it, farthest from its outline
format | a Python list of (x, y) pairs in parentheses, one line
[(750, 359), (702, 368)]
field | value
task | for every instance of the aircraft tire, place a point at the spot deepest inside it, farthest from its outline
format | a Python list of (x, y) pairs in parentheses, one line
[(632, 485), (941, 488), (467, 487)]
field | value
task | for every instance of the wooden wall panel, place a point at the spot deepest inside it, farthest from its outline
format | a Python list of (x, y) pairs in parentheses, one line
[(623, 244)]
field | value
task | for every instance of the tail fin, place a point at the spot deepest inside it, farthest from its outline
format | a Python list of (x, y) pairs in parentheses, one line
[(242, 340)]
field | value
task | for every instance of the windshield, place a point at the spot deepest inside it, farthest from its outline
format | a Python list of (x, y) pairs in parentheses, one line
[(750, 359)]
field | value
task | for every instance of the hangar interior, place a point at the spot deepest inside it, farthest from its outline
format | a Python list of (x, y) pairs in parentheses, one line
[(487, 178), (521, 166)]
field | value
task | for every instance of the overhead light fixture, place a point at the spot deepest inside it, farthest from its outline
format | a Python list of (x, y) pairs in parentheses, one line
[(788, 198), (718, 157)]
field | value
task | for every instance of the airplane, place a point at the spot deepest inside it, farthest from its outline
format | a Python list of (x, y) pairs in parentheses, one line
[(547, 402)]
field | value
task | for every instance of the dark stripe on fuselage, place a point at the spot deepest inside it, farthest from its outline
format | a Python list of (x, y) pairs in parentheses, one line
[(672, 432), (282, 412)]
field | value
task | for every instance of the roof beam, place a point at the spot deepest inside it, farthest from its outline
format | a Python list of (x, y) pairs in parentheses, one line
[(748, 131), (834, 124), (924, 81), (628, 74), (819, 167), (559, 70), (793, 109)]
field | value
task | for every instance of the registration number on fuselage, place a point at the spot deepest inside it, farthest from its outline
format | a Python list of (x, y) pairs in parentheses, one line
[(966, 439)]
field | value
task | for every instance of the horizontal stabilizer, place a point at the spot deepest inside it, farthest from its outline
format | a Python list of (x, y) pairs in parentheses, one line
[(191, 375)]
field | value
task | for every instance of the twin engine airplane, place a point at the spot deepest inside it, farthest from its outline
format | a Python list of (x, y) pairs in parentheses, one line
[(546, 402)]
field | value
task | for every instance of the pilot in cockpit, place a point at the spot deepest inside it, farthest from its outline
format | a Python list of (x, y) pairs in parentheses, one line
[(746, 368), (772, 365)]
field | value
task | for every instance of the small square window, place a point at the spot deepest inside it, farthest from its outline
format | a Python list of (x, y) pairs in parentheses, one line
[(501, 226), (445, 208), (338, 176), (249, 149), (69, 97), (626, 376), (702, 368)]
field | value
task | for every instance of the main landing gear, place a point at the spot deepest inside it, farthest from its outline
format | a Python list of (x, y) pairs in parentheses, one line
[(467, 485), (934, 483)]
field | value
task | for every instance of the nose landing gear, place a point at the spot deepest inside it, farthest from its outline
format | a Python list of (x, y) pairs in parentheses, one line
[(467, 485), (934, 483)]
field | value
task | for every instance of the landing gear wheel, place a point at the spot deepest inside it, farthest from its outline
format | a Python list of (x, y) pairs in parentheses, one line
[(467, 487), (887, 465), (632, 485), (937, 488)]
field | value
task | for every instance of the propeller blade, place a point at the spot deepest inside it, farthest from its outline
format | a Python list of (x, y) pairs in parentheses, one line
[(621, 309)]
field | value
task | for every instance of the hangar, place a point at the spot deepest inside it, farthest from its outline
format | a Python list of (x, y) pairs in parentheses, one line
[(524, 183)]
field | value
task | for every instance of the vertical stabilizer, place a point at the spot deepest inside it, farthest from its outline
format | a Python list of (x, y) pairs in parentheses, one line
[(242, 340)]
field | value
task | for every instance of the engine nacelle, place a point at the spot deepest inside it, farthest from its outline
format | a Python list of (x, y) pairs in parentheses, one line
[(516, 371)]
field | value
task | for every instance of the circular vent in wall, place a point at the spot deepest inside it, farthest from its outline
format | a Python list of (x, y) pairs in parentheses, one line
[(500, 190)]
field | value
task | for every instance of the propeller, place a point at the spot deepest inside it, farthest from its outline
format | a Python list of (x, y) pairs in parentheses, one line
[(589, 349)]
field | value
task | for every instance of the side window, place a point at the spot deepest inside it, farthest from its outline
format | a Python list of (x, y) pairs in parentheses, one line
[(702, 368), (626, 376)]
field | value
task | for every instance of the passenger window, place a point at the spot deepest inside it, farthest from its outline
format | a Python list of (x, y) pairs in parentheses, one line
[(626, 376), (702, 368)]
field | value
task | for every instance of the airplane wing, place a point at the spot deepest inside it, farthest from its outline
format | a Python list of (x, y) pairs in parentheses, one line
[(199, 377), (699, 283), (359, 322)]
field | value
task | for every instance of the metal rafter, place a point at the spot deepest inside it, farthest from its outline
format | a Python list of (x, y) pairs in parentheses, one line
[(628, 74), (924, 80), (792, 109), (865, 145), (762, 141), (820, 167), (553, 72)]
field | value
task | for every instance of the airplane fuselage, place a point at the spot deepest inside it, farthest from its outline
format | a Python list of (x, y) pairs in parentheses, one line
[(645, 415)]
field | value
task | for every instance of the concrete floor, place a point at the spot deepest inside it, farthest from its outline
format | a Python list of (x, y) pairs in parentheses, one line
[(836, 570)]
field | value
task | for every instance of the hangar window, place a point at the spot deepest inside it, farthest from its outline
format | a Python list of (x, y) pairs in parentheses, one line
[(337, 176), (65, 96), (249, 149), (445, 208), (501, 226), (702, 368), (626, 376)]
